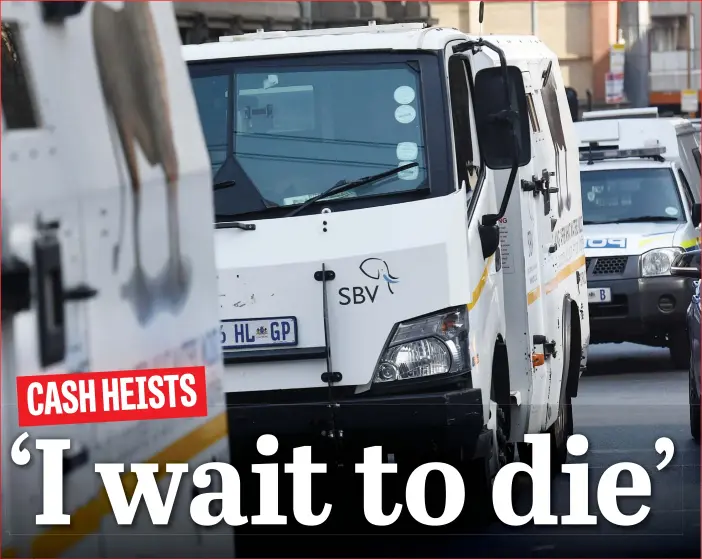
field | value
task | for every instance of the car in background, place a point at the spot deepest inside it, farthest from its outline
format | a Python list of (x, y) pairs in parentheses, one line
[(688, 265)]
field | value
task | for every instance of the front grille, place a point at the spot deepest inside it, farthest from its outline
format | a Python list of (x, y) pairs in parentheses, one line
[(608, 265)]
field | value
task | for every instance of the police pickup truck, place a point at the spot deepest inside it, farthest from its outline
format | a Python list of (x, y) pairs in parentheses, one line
[(639, 213)]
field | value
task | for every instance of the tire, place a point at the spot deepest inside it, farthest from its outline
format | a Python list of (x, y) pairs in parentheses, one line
[(694, 410), (479, 511), (679, 346), (559, 432)]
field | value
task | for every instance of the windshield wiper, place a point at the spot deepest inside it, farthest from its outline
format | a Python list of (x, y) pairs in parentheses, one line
[(644, 218), (343, 186), (223, 184)]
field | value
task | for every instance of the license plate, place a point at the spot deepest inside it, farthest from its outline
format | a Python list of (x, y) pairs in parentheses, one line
[(599, 295), (259, 332)]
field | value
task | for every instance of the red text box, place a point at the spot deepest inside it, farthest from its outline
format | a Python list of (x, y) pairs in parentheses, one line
[(111, 396)]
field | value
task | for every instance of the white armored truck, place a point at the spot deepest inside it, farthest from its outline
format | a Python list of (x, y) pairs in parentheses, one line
[(107, 263), (399, 240)]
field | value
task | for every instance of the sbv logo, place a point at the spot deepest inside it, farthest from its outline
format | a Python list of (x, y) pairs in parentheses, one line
[(372, 268), (375, 268)]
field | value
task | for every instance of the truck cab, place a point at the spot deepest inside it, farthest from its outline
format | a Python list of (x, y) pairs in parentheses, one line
[(640, 213), (399, 240), (108, 261)]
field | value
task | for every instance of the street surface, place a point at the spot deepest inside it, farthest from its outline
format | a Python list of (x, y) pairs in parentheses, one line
[(629, 398)]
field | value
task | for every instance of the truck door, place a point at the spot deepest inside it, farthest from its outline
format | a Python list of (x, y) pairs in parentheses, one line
[(541, 207), (44, 283)]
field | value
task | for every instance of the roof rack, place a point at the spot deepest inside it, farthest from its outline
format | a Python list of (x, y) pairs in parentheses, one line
[(370, 28), (591, 155), (645, 112)]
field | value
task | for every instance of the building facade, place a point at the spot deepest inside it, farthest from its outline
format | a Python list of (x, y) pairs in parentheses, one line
[(662, 38), (578, 32), (674, 50), (201, 22)]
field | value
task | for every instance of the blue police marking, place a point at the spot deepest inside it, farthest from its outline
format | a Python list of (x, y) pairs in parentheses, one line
[(258, 332), (606, 243)]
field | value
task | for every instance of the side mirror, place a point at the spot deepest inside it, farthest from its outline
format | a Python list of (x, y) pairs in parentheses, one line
[(696, 214), (687, 265), (489, 239), (495, 135)]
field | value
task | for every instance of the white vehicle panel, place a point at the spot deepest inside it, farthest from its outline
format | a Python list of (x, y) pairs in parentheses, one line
[(72, 169)]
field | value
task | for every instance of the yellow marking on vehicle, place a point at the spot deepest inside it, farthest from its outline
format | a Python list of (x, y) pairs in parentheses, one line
[(87, 519), (562, 274), (478, 291), (533, 295), (690, 243)]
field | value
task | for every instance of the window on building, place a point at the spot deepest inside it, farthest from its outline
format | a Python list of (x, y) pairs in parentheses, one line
[(669, 34)]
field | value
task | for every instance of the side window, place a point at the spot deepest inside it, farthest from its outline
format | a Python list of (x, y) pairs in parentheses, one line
[(460, 112), (17, 101), (532, 114), (686, 189), (696, 154), (212, 98)]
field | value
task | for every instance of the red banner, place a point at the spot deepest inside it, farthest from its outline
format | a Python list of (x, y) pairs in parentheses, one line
[(111, 396)]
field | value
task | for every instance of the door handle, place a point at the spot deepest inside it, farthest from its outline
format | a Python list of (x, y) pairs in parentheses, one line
[(78, 293)]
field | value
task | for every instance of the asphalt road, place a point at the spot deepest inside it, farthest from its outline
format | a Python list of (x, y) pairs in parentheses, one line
[(629, 398)]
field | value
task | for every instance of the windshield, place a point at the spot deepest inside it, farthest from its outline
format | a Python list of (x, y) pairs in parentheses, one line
[(286, 131), (630, 195)]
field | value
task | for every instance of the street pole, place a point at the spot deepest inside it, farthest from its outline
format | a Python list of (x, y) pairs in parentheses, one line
[(307, 14), (689, 44), (690, 38), (533, 18)]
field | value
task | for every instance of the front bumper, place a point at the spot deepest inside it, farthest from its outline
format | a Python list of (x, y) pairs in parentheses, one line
[(416, 423), (643, 310)]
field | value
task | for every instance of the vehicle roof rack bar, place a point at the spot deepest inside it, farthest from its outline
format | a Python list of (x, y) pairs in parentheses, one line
[(372, 27), (644, 112), (603, 154)]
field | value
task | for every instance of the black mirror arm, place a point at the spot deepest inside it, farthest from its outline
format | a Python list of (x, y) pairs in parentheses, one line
[(492, 219), (509, 115)]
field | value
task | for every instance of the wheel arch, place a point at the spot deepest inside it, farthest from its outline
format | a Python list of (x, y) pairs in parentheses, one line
[(572, 348), (500, 385)]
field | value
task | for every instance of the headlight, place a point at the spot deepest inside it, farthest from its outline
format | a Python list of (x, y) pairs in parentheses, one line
[(657, 262), (433, 345)]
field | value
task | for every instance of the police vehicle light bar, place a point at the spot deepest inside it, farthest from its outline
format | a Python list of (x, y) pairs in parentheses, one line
[(600, 155)]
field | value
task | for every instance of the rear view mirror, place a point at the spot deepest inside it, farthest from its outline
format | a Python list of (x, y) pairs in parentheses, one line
[(495, 133), (696, 214), (687, 265)]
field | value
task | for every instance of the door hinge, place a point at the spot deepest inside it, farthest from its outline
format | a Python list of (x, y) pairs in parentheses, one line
[(16, 286), (549, 346), (541, 186)]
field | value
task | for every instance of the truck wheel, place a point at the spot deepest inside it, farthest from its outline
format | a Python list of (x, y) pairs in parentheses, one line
[(559, 432), (477, 474), (679, 346), (694, 411)]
